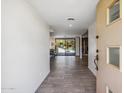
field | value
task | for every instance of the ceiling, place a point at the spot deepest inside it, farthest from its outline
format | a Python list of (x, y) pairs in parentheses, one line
[(56, 13)]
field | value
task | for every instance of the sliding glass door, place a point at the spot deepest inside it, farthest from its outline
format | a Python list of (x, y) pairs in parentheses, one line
[(65, 46)]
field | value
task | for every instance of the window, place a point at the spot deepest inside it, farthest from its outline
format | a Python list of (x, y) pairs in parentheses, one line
[(108, 90), (114, 11), (114, 56)]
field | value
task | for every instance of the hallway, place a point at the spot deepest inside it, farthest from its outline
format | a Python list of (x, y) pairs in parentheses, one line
[(81, 35), (68, 75)]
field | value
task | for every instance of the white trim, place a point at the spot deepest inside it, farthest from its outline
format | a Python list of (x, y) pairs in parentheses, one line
[(93, 71)]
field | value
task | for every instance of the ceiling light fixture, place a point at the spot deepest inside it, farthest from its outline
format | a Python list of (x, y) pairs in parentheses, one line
[(70, 25), (71, 19)]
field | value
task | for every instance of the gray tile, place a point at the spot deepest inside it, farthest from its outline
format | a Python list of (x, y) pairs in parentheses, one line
[(68, 75)]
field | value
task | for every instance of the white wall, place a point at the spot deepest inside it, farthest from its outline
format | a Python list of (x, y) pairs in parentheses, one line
[(25, 48), (77, 39), (92, 47)]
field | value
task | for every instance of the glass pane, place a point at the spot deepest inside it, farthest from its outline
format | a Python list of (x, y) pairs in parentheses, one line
[(114, 12), (70, 45), (60, 46), (65, 47), (110, 91), (114, 57)]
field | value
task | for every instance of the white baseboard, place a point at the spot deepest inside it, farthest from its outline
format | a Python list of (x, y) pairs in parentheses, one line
[(42, 80), (92, 70)]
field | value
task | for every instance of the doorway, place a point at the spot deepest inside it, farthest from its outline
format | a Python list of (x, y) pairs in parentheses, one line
[(85, 45), (65, 46), (85, 51)]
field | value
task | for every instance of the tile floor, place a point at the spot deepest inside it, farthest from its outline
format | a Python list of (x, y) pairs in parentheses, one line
[(68, 75)]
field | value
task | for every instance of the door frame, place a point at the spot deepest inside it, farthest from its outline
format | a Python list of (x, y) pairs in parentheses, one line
[(65, 41)]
